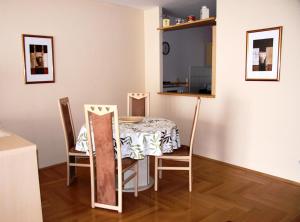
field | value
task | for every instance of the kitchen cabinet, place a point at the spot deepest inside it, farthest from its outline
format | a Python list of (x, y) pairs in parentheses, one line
[(20, 198)]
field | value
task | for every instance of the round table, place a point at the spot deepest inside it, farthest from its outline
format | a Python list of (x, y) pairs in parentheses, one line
[(149, 137)]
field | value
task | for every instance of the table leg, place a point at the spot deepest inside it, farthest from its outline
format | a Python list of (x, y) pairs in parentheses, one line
[(145, 181)]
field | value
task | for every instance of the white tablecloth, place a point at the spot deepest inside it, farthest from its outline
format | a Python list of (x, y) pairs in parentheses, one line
[(152, 136)]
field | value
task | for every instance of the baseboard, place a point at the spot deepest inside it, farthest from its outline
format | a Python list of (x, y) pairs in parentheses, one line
[(51, 166), (249, 170)]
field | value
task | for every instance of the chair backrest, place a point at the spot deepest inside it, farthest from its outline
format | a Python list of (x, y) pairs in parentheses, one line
[(138, 104), (67, 122), (195, 120), (102, 123)]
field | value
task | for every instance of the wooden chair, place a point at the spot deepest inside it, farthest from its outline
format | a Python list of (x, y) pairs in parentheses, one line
[(70, 140), (101, 122), (138, 104), (183, 154)]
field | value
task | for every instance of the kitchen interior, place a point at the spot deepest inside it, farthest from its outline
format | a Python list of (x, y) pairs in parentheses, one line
[(187, 52)]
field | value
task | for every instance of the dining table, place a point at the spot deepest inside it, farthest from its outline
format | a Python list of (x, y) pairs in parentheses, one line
[(149, 136)]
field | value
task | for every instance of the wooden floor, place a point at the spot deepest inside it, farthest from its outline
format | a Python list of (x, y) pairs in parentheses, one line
[(220, 193)]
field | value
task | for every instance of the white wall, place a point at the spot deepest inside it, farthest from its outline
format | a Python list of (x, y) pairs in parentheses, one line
[(249, 124), (187, 48), (99, 57)]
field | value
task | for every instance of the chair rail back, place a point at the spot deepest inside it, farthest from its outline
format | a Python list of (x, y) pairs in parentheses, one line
[(138, 104), (101, 122), (67, 122)]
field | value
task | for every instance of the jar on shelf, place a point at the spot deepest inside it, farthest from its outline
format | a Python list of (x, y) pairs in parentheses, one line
[(179, 20), (166, 22), (204, 12)]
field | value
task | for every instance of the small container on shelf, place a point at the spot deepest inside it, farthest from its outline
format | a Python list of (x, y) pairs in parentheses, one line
[(179, 21), (166, 22), (191, 18), (204, 12)]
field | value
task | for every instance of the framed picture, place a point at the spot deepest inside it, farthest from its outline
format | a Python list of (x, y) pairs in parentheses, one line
[(263, 54), (38, 59)]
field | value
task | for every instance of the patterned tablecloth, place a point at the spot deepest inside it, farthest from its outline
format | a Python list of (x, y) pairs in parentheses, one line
[(152, 136)]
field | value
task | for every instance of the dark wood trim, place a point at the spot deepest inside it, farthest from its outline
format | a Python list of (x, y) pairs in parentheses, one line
[(280, 28), (53, 65), (249, 170), (264, 29)]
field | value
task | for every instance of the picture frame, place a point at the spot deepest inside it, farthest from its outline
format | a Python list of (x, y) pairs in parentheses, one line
[(263, 54), (38, 59)]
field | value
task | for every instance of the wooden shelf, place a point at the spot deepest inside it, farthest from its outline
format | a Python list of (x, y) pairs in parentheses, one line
[(203, 22), (187, 94)]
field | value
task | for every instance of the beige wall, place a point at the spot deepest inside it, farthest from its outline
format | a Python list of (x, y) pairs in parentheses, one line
[(249, 124), (153, 62), (99, 57)]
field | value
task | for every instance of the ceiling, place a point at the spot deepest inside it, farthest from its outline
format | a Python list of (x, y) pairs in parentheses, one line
[(175, 7)]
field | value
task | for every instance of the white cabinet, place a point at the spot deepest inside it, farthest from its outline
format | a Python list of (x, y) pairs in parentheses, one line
[(20, 198)]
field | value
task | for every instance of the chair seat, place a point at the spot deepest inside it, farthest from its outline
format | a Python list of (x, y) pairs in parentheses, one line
[(127, 163), (182, 151), (74, 152)]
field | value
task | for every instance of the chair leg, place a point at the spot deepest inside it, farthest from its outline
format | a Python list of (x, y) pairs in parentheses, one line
[(68, 174), (71, 170), (93, 178), (190, 179), (136, 180), (160, 171), (155, 174)]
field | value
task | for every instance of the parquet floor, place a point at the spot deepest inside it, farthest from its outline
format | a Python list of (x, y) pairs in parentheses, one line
[(220, 194)]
